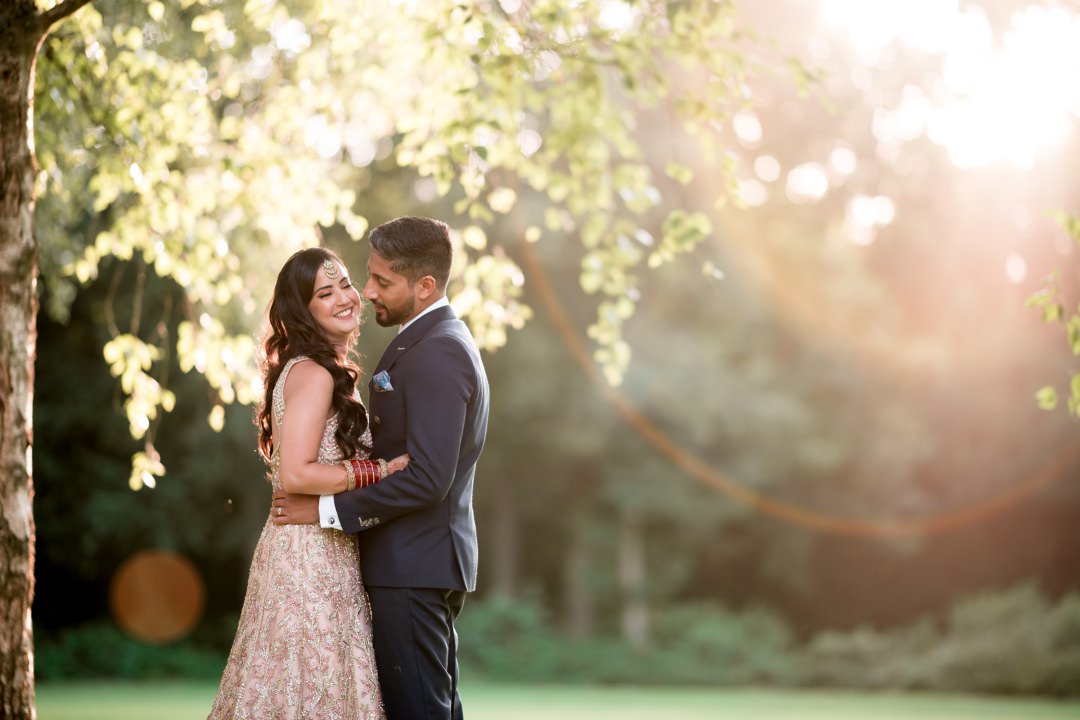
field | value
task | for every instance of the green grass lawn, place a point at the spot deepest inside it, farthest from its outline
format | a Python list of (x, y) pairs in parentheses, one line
[(191, 701)]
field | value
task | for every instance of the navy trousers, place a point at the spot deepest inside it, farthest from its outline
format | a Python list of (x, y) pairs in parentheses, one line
[(416, 651)]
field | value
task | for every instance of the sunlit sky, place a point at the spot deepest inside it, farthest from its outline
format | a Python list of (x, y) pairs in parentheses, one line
[(1002, 98)]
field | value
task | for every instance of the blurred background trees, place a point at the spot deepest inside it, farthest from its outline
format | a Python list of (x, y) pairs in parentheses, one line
[(203, 142), (835, 326)]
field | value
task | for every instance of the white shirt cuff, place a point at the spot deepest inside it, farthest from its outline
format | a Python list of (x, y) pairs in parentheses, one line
[(328, 513)]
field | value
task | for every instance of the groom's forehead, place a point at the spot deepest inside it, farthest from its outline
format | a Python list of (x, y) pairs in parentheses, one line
[(377, 263)]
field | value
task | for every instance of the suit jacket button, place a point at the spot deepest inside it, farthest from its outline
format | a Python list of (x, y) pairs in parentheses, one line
[(376, 419)]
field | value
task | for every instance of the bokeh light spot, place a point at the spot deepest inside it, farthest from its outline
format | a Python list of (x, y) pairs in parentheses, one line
[(752, 193), (1016, 268), (767, 168), (807, 183), (842, 161), (747, 128), (157, 596)]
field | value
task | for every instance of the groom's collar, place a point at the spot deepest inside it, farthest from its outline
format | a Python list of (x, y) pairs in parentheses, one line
[(417, 329), (441, 302)]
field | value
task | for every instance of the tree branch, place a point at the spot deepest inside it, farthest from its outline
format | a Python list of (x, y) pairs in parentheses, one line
[(58, 12)]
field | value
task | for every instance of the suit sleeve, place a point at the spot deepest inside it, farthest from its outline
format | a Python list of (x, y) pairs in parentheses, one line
[(441, 383)]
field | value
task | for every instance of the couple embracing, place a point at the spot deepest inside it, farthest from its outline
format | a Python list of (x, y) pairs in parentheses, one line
[(370, 547)]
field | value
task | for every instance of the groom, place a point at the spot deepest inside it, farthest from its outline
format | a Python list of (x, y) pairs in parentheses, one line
[(428, 398)]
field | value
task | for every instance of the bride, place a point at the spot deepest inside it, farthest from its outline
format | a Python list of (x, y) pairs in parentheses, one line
[(303, 646)]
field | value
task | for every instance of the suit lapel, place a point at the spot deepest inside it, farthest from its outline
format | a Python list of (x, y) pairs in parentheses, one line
[(412, 335)]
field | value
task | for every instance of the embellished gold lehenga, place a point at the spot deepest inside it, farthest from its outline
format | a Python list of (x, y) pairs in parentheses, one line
[(303, 644)]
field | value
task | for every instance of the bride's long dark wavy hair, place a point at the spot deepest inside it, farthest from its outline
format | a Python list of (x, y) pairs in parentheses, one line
[(293, 332)]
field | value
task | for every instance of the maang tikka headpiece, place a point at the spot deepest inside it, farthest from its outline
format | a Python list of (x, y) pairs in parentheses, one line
[(331, 268)]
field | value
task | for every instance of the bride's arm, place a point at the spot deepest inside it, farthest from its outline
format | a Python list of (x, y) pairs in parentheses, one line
[(308, 398)]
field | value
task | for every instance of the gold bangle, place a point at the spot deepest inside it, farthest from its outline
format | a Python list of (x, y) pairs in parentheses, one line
[(350, 476), (384, 469)]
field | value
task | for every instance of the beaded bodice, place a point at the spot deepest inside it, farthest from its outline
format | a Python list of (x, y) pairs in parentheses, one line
[(329, 452)]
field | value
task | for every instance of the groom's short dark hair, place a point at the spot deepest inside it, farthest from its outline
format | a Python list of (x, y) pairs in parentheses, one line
[(415, 247)]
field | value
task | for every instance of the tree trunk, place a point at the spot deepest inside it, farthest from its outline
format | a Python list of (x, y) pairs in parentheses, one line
[(635, 614), (578, 603), (505, 545), (19, 39)]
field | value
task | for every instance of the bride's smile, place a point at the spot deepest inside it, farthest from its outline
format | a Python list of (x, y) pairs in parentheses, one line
[(335, 303)]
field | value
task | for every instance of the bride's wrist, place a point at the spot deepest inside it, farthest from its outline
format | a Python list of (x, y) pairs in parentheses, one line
[(350, 475)]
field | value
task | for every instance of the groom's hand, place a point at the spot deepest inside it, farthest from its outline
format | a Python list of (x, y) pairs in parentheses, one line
[(286, 509)]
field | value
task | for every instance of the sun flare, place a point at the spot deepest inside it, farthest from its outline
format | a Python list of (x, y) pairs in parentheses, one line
[(1001, 99)]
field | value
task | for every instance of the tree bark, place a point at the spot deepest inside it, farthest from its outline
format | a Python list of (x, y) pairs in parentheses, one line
[(20, 34)]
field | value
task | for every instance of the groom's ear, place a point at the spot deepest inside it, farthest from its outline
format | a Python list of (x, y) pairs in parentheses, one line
[(427, 287)]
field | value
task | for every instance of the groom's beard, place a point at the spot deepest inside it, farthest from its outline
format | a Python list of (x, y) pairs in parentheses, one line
[(386, 317)]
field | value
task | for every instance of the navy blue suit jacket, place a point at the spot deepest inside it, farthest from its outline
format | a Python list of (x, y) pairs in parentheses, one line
[(418, 525)]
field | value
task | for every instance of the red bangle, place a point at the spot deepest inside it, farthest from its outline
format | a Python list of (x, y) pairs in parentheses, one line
[(366, 472)]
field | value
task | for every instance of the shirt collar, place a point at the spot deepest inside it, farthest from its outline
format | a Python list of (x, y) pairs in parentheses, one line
[(441, 302)]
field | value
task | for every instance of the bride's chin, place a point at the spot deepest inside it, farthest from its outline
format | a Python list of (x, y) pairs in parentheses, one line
[(341, 334)]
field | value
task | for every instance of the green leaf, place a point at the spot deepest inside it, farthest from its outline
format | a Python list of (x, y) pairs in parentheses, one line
[(1040, 298), (679, 173), (1053, 312), (1046, 398), (1070, 223), (1073, 333)]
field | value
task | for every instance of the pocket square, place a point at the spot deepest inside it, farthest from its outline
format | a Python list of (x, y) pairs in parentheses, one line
[(382, 382)]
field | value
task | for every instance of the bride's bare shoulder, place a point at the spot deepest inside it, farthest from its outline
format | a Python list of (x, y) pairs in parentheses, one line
[(308, 377)]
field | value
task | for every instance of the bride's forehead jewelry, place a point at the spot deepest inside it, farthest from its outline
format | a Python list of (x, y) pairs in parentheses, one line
[(331, 269)]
